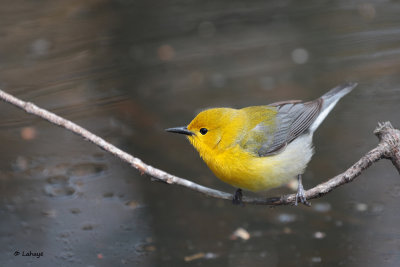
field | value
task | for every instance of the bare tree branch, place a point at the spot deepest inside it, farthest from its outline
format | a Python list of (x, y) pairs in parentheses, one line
[(388, 147)]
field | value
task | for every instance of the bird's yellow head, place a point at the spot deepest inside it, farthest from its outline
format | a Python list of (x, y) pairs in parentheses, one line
[(211, 130)]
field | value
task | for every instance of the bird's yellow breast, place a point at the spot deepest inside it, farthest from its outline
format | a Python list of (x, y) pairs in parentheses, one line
[(248, 171)]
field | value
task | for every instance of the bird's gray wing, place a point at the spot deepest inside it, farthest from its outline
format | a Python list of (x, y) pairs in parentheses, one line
[(292, 120)]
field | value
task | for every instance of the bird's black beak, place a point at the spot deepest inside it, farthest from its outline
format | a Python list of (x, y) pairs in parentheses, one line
[(180, 130)]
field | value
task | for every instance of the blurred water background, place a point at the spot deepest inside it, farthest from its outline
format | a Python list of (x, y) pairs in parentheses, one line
[(126, 70)]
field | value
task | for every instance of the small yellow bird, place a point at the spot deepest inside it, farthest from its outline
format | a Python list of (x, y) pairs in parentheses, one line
[(261, 147)]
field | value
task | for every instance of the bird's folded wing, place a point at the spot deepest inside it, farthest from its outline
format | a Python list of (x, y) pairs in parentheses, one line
[(292, 119)]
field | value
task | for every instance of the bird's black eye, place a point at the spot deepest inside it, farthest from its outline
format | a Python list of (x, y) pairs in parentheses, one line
[(203, 131)]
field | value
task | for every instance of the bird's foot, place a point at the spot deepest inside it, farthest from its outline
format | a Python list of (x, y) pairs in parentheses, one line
[(237, 197), (300, 195)]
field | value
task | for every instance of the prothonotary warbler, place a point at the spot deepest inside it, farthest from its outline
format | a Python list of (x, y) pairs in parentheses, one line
[(260, 147)]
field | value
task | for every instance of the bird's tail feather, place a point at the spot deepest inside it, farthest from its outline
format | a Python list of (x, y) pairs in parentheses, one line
[(337, 93), (329, 100)]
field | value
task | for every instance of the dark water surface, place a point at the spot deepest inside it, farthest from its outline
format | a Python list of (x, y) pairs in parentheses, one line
[(126, 70)]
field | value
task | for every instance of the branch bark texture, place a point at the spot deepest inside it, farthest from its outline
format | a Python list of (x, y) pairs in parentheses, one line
[(388, 147)]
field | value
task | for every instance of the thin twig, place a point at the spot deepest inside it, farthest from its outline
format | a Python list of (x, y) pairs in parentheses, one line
[(388, 147)]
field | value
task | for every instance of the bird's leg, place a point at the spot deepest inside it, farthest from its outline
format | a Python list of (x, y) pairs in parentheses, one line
[(300, 193), (237, 197)]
